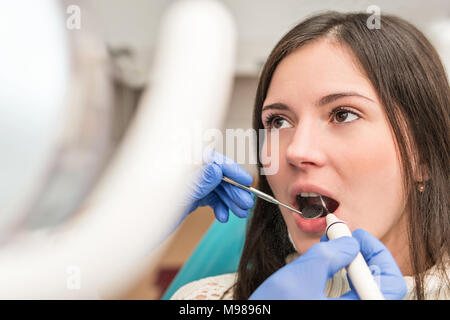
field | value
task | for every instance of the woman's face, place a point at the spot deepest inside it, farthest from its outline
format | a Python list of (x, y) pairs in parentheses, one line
[(347, 154)]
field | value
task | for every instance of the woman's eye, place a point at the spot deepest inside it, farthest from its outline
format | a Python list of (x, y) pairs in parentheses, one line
[(279, 123), (343, 115), (339, 115)]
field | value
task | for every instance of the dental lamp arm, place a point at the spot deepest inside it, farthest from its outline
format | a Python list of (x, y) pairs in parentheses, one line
[(132, 207)]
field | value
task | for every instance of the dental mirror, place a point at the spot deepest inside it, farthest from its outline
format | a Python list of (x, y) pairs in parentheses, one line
[(315, 211), (312, 212)]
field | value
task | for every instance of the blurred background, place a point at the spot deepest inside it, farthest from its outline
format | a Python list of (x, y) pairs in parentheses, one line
[(128, 29)]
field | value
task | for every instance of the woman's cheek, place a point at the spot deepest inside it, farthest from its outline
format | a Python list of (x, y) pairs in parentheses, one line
[(270, 152), (276, 167), (376, 202)]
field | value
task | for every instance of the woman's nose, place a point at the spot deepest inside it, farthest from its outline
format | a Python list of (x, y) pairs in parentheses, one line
[(305, 147)]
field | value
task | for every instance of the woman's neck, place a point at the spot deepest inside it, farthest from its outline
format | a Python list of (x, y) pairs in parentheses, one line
[(397, 241)]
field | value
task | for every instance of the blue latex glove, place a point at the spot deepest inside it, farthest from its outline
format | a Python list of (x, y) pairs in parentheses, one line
[(210, 190), (306, 277), (384, 268)]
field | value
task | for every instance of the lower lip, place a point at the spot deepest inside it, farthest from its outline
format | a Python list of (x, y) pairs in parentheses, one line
[(317, 225)]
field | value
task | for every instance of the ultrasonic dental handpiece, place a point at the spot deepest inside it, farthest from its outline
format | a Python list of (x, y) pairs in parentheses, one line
[(358, 271)]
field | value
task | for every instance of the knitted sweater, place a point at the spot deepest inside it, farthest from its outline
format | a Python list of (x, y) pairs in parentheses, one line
[(221, 287)]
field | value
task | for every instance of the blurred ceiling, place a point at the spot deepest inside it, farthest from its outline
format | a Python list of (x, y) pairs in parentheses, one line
[(133, 24)]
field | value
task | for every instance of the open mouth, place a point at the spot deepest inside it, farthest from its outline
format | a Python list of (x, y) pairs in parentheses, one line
[(311, 206)]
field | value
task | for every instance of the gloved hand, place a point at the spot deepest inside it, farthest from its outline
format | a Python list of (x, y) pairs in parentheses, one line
[(306, 277), (210, 190), (384, 268)]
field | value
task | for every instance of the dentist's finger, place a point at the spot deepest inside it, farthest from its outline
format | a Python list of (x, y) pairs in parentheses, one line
[(236, 209), (240, 196)]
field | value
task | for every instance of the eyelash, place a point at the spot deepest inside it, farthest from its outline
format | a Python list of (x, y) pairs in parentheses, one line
[(271, 117)]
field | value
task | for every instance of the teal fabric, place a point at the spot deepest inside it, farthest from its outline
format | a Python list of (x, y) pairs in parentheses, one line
[(218, 252)]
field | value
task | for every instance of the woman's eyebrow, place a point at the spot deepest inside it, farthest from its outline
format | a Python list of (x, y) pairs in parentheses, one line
[(335, 96), (276, 106), (321, 102)]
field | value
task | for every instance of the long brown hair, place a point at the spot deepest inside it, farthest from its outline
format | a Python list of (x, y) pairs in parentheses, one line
[(411, 83)]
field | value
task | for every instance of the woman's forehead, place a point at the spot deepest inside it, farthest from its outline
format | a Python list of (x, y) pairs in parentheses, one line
[(319, 68)]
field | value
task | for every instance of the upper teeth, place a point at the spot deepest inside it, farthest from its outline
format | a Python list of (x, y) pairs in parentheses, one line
[(309, 194)]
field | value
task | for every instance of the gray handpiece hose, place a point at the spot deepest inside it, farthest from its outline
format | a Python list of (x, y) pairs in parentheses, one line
[(358, 271)]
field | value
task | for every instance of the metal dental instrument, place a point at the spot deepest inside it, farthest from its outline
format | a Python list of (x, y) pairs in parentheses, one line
[(261, 195)]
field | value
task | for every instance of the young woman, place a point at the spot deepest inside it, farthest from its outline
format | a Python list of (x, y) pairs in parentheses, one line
[(363, 119)]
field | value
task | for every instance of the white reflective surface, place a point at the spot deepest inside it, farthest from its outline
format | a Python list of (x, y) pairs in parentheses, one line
[(34, 77), (134, 206)]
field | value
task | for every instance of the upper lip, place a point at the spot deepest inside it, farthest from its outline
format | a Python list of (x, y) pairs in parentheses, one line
[(302, 187)]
